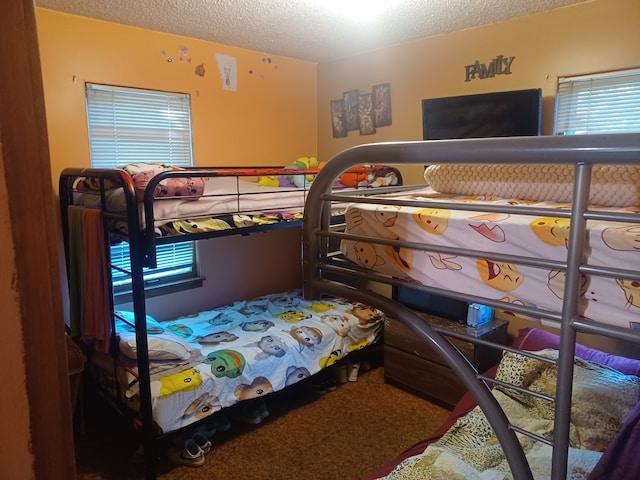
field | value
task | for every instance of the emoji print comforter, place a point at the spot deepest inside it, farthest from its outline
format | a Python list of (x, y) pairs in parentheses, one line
[(614, 301), (216, 358)]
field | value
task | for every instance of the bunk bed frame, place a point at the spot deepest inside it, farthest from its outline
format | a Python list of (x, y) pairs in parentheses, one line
[(139, 217), (326, 270)]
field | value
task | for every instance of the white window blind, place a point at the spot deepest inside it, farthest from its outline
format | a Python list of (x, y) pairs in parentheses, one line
[(129, 125), (602, 103)]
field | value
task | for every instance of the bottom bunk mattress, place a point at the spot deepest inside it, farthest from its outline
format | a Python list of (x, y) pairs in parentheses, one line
[(613, 244), (211, 360)]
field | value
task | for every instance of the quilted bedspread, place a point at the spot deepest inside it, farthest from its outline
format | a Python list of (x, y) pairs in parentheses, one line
[(602, 399)]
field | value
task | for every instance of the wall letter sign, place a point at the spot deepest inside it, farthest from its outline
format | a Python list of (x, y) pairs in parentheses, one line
[(500, 65)]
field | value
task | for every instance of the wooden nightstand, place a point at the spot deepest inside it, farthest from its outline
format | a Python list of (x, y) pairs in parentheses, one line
[(414, 366)]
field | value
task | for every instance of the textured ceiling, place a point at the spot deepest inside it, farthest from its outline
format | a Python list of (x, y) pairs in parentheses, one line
[(304, 29)]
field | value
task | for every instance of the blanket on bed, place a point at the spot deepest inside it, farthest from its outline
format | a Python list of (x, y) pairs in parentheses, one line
[(602, 399), (206, 361)]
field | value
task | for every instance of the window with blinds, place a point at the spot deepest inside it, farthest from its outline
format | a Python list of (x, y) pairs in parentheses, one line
[(601, 103), (129, 125)]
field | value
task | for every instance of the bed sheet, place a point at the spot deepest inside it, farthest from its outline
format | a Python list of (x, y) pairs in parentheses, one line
[(613, 301), (250, 349)]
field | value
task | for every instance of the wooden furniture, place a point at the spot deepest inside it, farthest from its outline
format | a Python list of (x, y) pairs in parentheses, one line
[(414, 366)]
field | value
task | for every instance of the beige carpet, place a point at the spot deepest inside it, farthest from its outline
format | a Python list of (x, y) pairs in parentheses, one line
[(340, 435)]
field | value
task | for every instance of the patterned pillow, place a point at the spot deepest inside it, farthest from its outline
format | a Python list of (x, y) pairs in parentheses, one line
[(611, 185), (188, 188)]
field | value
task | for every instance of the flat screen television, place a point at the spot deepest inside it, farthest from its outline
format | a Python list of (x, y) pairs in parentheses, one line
[(498, 114)]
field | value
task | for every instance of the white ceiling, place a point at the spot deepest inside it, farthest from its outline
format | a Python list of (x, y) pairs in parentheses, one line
[(303, 29)]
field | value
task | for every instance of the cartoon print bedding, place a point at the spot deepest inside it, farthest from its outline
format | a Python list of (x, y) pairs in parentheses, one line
[(216, 358), (610, 300)]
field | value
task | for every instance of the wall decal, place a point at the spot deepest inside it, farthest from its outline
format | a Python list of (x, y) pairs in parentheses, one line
[(184, 54), (228, 71), (500, 65)]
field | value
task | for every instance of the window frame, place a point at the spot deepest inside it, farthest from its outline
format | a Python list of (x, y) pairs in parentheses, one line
[(133, 125), (598, 103)]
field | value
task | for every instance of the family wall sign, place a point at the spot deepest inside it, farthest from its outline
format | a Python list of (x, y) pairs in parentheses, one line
[(500, 65)]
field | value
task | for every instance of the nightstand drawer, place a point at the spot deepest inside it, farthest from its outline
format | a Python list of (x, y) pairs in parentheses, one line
[(425, 378), (399, 336), (412, 363)]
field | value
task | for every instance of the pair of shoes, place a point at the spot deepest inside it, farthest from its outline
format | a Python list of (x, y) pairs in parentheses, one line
[(202, 441), (190, 454), (324, 385), (248, 413), (341, 372), (252, 411)]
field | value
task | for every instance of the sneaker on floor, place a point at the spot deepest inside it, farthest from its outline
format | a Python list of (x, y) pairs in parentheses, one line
[(324, 385), (248, 412), (190, 454), (202, 441)]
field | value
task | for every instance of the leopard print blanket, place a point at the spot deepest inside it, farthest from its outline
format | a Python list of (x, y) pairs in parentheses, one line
[(602, 399)]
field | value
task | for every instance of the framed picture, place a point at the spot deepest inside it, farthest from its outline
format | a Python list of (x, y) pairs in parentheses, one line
[(382, 104), (365, 114), (350, 100), (338, 119)]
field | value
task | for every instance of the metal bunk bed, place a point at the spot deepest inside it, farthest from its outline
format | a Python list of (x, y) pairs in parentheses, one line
[(327, 271), (133, 221)]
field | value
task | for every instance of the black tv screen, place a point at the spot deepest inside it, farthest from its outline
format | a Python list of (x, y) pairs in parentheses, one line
[(499, 114)]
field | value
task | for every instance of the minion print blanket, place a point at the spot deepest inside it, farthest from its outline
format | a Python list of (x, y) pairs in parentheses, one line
[(613, 300), (248, 350)]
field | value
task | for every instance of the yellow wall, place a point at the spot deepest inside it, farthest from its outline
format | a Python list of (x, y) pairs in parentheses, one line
[(270, 119), (589, 37)]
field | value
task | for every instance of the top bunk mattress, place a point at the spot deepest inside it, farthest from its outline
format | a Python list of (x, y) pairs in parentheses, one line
[(228, 198), (609, 300)]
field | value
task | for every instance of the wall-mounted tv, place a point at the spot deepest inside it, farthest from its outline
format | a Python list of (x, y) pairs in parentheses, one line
[(498, 114)]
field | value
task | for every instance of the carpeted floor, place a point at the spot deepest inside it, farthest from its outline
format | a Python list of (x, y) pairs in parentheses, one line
[(340, 435)]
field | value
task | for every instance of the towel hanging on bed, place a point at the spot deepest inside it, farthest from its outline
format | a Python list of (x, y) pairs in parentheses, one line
[(90, 308)]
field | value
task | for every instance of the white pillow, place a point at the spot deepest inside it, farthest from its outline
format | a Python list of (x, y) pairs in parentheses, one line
[(163, 344), (611, 185)]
